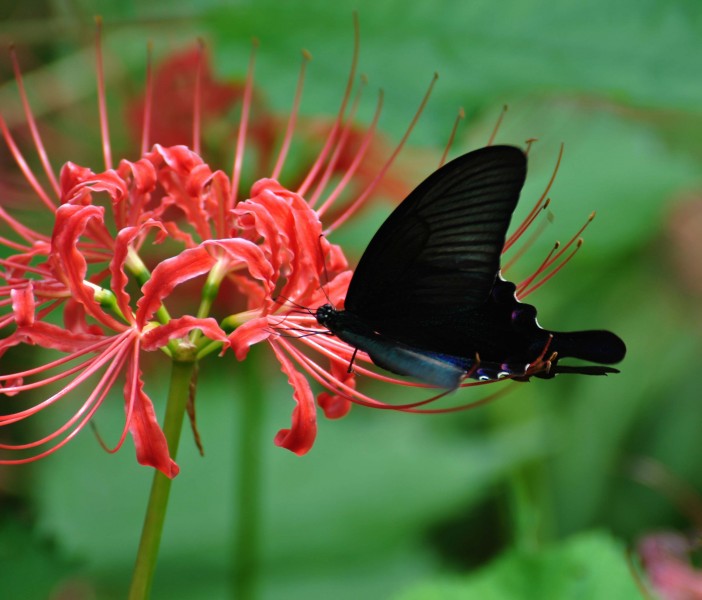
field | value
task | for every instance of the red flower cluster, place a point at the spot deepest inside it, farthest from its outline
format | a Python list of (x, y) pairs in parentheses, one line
[(72, 289)]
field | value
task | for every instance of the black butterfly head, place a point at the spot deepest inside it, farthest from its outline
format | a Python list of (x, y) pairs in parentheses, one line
[(325, 315)]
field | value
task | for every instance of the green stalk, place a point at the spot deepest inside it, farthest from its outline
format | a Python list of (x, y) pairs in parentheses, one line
[(247, 492), (526, 508), (147, 555), (527, 517)]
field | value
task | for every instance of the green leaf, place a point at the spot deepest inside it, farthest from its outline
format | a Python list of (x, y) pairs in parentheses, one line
[(590, 566)]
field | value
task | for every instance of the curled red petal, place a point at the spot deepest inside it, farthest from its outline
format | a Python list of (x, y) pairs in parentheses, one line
[(296, 242), (51, 336), (119, 278), (159, 336), (109, 182), (74, 318), (167, 275), (176, 166), (71, 176), (333, 405), (178, 158), (256, 221), (303, 431), (23, 304), (142, 173), (239, 251), (149, 440), (140, 177), (70, 265), (248, 334)]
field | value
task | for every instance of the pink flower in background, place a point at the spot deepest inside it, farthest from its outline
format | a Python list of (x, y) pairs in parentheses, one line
[(666, 558)]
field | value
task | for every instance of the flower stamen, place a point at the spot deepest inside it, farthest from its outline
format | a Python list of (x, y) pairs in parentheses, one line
[(498, 124), (148, 100), (459, 117), (538, 207), (38, 144), (331, 137), (243, 126), (102, 104), (292, 120), (363, 196), (358, 158)]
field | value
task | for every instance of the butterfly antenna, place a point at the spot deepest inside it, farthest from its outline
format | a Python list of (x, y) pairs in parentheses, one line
[(459, 117), (503, 112), (300, 307), (307, 333)]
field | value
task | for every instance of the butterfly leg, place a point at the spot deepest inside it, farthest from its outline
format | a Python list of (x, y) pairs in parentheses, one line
[(474, 368), (541, 366), (353, 357)]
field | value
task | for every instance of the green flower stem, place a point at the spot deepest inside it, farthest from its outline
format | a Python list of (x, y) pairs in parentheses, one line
[(527, 517), (181, 374), (211, 288), (141, 274), (247, 491), (209, 294), (526, 509)]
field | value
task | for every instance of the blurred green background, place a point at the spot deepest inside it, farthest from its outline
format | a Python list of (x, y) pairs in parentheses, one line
[(533, 496)]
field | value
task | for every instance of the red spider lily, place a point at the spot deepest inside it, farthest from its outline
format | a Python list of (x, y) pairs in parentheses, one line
[(78, 272), (269, 247)]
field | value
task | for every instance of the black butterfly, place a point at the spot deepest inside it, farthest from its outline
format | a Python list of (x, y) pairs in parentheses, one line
[(427, 299)]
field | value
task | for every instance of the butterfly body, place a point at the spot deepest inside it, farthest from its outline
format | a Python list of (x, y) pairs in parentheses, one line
[(427, 299)]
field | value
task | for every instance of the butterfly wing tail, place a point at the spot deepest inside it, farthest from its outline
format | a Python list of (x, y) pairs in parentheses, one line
[(596, 346)]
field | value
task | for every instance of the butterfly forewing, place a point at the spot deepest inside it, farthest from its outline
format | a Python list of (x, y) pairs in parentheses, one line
[(441, 246)]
